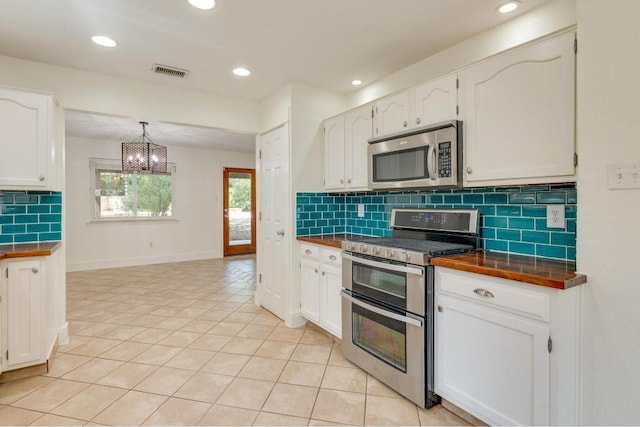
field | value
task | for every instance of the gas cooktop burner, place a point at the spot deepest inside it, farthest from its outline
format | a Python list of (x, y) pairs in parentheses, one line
[(429, 247), (420, 234)]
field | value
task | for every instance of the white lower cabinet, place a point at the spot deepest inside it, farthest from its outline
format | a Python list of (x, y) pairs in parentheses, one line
[(27, 334), (320, 285), (494, 356)]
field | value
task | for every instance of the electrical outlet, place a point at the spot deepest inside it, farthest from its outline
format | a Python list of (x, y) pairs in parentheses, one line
[(360, 210), (555, 216)]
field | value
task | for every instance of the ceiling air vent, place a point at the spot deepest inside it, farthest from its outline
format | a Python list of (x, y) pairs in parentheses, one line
[(170, 71)]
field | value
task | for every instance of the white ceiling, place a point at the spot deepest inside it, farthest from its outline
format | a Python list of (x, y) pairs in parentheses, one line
[(321, 43)]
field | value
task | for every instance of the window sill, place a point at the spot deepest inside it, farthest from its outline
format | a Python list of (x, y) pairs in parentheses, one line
[(132, 220)]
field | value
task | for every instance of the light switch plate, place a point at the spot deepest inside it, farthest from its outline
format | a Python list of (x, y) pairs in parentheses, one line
[(623, 176), (555, 216), (360, 210)]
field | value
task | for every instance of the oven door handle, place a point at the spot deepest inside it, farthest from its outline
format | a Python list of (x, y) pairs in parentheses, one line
[(392, 267), (382, 312)]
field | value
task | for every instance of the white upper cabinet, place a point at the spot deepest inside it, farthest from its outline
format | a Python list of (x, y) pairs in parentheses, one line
[(334, 151), (519, 123), (435, 101), (393, 114), (27, 133), (358, 130), (345, 150)]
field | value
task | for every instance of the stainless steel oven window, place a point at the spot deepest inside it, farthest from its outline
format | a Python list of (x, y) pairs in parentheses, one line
[(384, 338), (384, 285)]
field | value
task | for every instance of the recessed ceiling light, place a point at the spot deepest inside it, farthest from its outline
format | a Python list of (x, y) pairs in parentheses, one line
[(104, 41), (356, 82), (508, 7), (203, 4), (242, 72)]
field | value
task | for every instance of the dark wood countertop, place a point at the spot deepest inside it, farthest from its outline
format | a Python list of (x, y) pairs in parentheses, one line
[(333, 240), (24, 250), (538, 271), (527, 269)]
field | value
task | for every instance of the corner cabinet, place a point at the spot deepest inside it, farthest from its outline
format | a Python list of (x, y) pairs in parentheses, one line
[(28, 129), (519, 119), (496, 354), (320, 285), (345, 150)]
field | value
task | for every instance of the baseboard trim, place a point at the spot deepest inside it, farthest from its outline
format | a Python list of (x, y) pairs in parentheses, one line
[(130, 262)]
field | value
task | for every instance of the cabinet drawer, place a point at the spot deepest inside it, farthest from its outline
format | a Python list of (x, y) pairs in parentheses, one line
[(331, 256), (499, 293), (310, 251)]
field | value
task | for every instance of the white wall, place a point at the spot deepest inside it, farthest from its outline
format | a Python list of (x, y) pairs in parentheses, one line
[(608, 229), (101, 93), (198, 207), (542, 21)]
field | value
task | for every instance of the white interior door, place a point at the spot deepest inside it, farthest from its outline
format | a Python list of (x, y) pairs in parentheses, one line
[(273, 243)]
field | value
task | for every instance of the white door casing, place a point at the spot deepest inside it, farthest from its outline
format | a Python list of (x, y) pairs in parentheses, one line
[(273, 251)]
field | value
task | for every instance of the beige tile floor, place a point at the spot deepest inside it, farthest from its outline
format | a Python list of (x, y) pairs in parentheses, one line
[(183, 344)]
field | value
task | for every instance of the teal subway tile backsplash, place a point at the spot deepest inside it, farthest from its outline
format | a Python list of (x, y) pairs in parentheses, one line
[(30, 216), (513, 219)]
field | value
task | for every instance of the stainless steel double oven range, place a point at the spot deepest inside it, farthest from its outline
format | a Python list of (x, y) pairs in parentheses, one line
[(388, 290)]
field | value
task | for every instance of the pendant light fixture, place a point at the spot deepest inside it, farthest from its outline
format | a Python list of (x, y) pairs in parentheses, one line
[(142, 155)]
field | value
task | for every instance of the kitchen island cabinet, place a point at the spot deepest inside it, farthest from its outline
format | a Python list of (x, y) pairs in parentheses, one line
[(507, 352), (29, 289)]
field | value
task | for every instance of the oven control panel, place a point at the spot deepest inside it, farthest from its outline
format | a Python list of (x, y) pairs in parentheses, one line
[(389, 253)]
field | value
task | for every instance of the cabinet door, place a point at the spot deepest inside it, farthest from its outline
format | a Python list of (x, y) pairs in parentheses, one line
[(26, 134), (332, 284), (520, 116), (392, 114), (24, 310), (359, 129), (334, 146), (310, 289), (492, 364), (436, 101)]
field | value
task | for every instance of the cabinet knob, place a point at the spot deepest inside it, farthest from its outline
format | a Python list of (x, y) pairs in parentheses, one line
[(41, 177), (307, 251), (418, 120), (469, 170), (440, 309), (316, 270), (483, 293), (349, 181), (405, 123), (323, 273), (332, 257), (34, 270), (342, 181)]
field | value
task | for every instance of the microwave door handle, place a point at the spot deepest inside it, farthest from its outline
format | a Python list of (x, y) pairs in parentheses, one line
[(381, 312), (384, 265), (431, 164)]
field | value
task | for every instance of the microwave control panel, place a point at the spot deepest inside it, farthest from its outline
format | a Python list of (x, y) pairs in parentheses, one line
[(444, 159)]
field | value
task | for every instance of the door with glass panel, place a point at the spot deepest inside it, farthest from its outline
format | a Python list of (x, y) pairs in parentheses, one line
[(239, 211)]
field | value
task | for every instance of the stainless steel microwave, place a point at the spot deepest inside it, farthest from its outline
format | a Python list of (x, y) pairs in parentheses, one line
[(423, 158)]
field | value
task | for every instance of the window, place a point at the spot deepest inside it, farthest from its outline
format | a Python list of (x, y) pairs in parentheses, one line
[(122, 195)]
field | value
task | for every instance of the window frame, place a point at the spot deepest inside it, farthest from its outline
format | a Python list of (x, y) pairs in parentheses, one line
[(112, 165)]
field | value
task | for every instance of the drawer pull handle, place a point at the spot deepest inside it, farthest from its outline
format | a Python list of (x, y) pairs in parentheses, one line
[(483, 293), (332, 257), (308, 251)]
